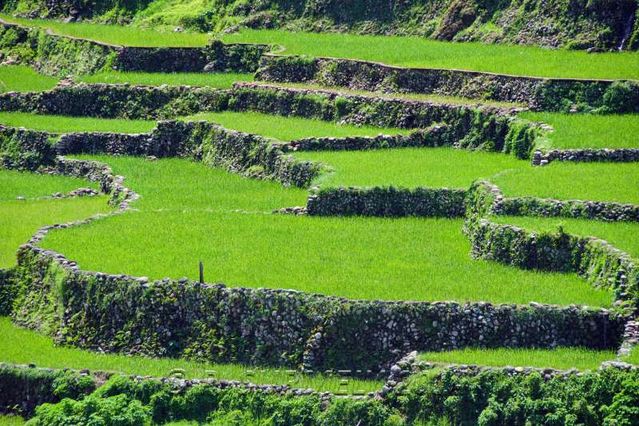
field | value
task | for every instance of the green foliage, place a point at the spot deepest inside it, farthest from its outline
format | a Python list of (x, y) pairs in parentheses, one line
[(622, 97), (496, 398), (123, 402)]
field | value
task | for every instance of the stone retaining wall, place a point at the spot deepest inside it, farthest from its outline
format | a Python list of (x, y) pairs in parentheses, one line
[(616, 155), (598, 262), (184, 318), (539, 93), (387, 202), (432, 137), (63, 55), (485, 128)]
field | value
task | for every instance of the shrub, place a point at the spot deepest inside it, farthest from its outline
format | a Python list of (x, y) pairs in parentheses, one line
[(621, 97)]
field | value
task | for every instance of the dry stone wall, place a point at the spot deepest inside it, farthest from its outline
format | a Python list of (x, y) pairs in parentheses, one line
[(539, 93), (616, 155)]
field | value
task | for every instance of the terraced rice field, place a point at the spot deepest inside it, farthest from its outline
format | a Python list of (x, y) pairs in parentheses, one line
[(382, 275), (560, 358)]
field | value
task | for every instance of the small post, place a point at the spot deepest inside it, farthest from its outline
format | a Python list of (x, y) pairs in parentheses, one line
[(201, 272)]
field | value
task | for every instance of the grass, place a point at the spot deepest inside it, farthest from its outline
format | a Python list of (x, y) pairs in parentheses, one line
[(410, 167), (616, 182), (420, 52), (633, 358), (189, 212), (10, 420), (288, 128), (40, 350), (563, 358), (622, 235), (589, 130), (123, 35), (67, 124), (19, 220), (18, 78), (15, 184), (217, 80)]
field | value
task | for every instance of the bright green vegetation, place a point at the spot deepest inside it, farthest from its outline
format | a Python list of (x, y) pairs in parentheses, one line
[(11, 420), (589, 130), (123, 35), (623, 235), (18, 78), (288, 128), (633, 358), (411, 167), (560, 358), (19, 220), (420, 52), (217, 80), (225, 220), (618, 182), (68, 124), (40, 350), (15, 184), (451, 100)]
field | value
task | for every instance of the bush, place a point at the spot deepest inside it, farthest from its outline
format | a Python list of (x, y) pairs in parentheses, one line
[(621, 97)]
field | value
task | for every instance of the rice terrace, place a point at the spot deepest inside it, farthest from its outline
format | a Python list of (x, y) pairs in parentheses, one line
[(319, 212)]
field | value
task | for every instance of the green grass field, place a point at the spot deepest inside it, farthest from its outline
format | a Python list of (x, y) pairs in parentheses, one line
[(38, 349), (623, 235), (617, 182), (559, 358), (18, 78), (420, 52), (225, 220), (15, 184), (11, 420), (633, 358), (288, 128), (217, 80), (20, 219), (68, 124), (589, 130), (115, 34), (410, 167)]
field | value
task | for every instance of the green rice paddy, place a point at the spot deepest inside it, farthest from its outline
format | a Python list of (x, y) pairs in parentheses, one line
[(19, 78), (424, 53), (410, 167), (121, 35), (289, 128), (623, 235), (68, 124), (15, 184), (562, 358), (226, 221), (615, 182), (216, 80), (10, 420), (40, 350), (574, 131)]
